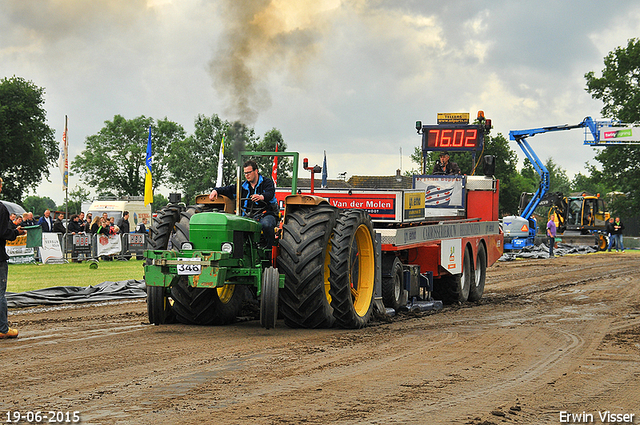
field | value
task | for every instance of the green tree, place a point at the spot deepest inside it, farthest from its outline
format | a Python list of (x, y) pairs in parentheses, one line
[(619, 89), (37, 204), (113, 160), (76, 197), (26, 141), (159, 202), (558, 179), (193, 161), (268, 143), (592, 183)]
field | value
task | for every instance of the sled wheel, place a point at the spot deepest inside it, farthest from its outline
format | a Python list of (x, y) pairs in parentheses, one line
[(479, 276), (392, 282)]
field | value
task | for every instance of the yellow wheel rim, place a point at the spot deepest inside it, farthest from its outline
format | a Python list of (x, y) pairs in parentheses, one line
[(225, 293), (363, 269), (327, 284)]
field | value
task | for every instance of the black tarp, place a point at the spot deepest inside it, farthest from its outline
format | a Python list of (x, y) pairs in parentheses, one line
[(542, 251), (105, 291)]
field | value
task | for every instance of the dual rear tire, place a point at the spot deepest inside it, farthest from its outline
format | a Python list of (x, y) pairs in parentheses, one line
[(467, 286), (328, 258)]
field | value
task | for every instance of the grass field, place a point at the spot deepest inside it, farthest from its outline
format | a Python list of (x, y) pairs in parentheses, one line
[(27, 277)]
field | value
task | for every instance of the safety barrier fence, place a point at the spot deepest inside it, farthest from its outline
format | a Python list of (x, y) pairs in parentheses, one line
[(60, 247)]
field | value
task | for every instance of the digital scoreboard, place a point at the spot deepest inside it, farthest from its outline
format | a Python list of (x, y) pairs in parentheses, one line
[(452, 137)]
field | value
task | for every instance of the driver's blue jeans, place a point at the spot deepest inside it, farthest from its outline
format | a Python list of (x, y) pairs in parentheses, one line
[(4, 324), (268, 223)]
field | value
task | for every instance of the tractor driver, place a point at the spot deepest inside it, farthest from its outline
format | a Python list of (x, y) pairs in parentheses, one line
[(444, 166), (259, 199)]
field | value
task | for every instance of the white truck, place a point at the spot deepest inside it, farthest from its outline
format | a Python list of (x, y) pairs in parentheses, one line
[(116, 207)]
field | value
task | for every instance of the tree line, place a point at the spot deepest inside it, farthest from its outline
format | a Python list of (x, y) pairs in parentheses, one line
[(113, 160)]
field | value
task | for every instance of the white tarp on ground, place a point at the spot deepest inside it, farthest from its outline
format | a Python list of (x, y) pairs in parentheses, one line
[(104, 291)]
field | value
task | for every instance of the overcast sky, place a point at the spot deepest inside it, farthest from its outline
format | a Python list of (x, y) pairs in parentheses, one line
[(348, 77)]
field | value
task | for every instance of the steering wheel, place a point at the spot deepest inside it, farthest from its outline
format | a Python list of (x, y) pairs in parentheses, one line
[(253, 207)]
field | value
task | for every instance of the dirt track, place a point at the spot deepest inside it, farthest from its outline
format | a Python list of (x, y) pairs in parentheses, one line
[(549, 336)]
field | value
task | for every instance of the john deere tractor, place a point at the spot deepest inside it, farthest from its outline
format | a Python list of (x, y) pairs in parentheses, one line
[(206, 260)]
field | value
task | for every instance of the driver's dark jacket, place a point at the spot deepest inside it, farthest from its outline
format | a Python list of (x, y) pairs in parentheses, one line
[(264, 187)]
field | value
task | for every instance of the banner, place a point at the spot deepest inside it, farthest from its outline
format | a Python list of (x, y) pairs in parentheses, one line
[(274, 169), (18, 252), (220, 163), (109, 245), (50, 252), (148, 187), (63, 162)]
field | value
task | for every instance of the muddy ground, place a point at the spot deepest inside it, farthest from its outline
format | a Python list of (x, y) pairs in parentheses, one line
[(550, 336)]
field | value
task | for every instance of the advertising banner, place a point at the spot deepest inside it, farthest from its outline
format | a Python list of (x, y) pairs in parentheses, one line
[(109, 245), (18, 252), (50, 252), (619, 134)]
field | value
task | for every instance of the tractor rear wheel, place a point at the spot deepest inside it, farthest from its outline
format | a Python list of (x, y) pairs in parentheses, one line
[(159, 307), (352, 269), (304, 260), (202, 306)]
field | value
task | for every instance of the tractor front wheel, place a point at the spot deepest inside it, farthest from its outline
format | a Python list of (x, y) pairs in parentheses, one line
[(269, 298)]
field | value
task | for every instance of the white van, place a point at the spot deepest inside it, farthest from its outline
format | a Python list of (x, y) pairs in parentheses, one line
[(115, 207)]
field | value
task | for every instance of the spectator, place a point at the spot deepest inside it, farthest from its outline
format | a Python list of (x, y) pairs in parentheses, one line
[(142, 227), (95, 225), (123, 223), (551, 233), (58, 225), (12, 217), (6, 234), (103, 229), (74, 225), (87, 223), (46, 222), (18, 221), (27, 219), (618, 227), (608, 228)]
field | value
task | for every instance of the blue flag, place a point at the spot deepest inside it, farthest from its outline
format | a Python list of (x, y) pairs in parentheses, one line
[(324, 170)]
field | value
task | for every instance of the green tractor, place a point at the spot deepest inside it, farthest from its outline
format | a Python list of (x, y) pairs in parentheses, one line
[(206, 260)]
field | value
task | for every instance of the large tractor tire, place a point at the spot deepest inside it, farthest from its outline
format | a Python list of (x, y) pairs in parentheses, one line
[(479, 276), (352, 269), (304, 260), (202, 306), (454, 288), (159, 305), (392, 281)]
